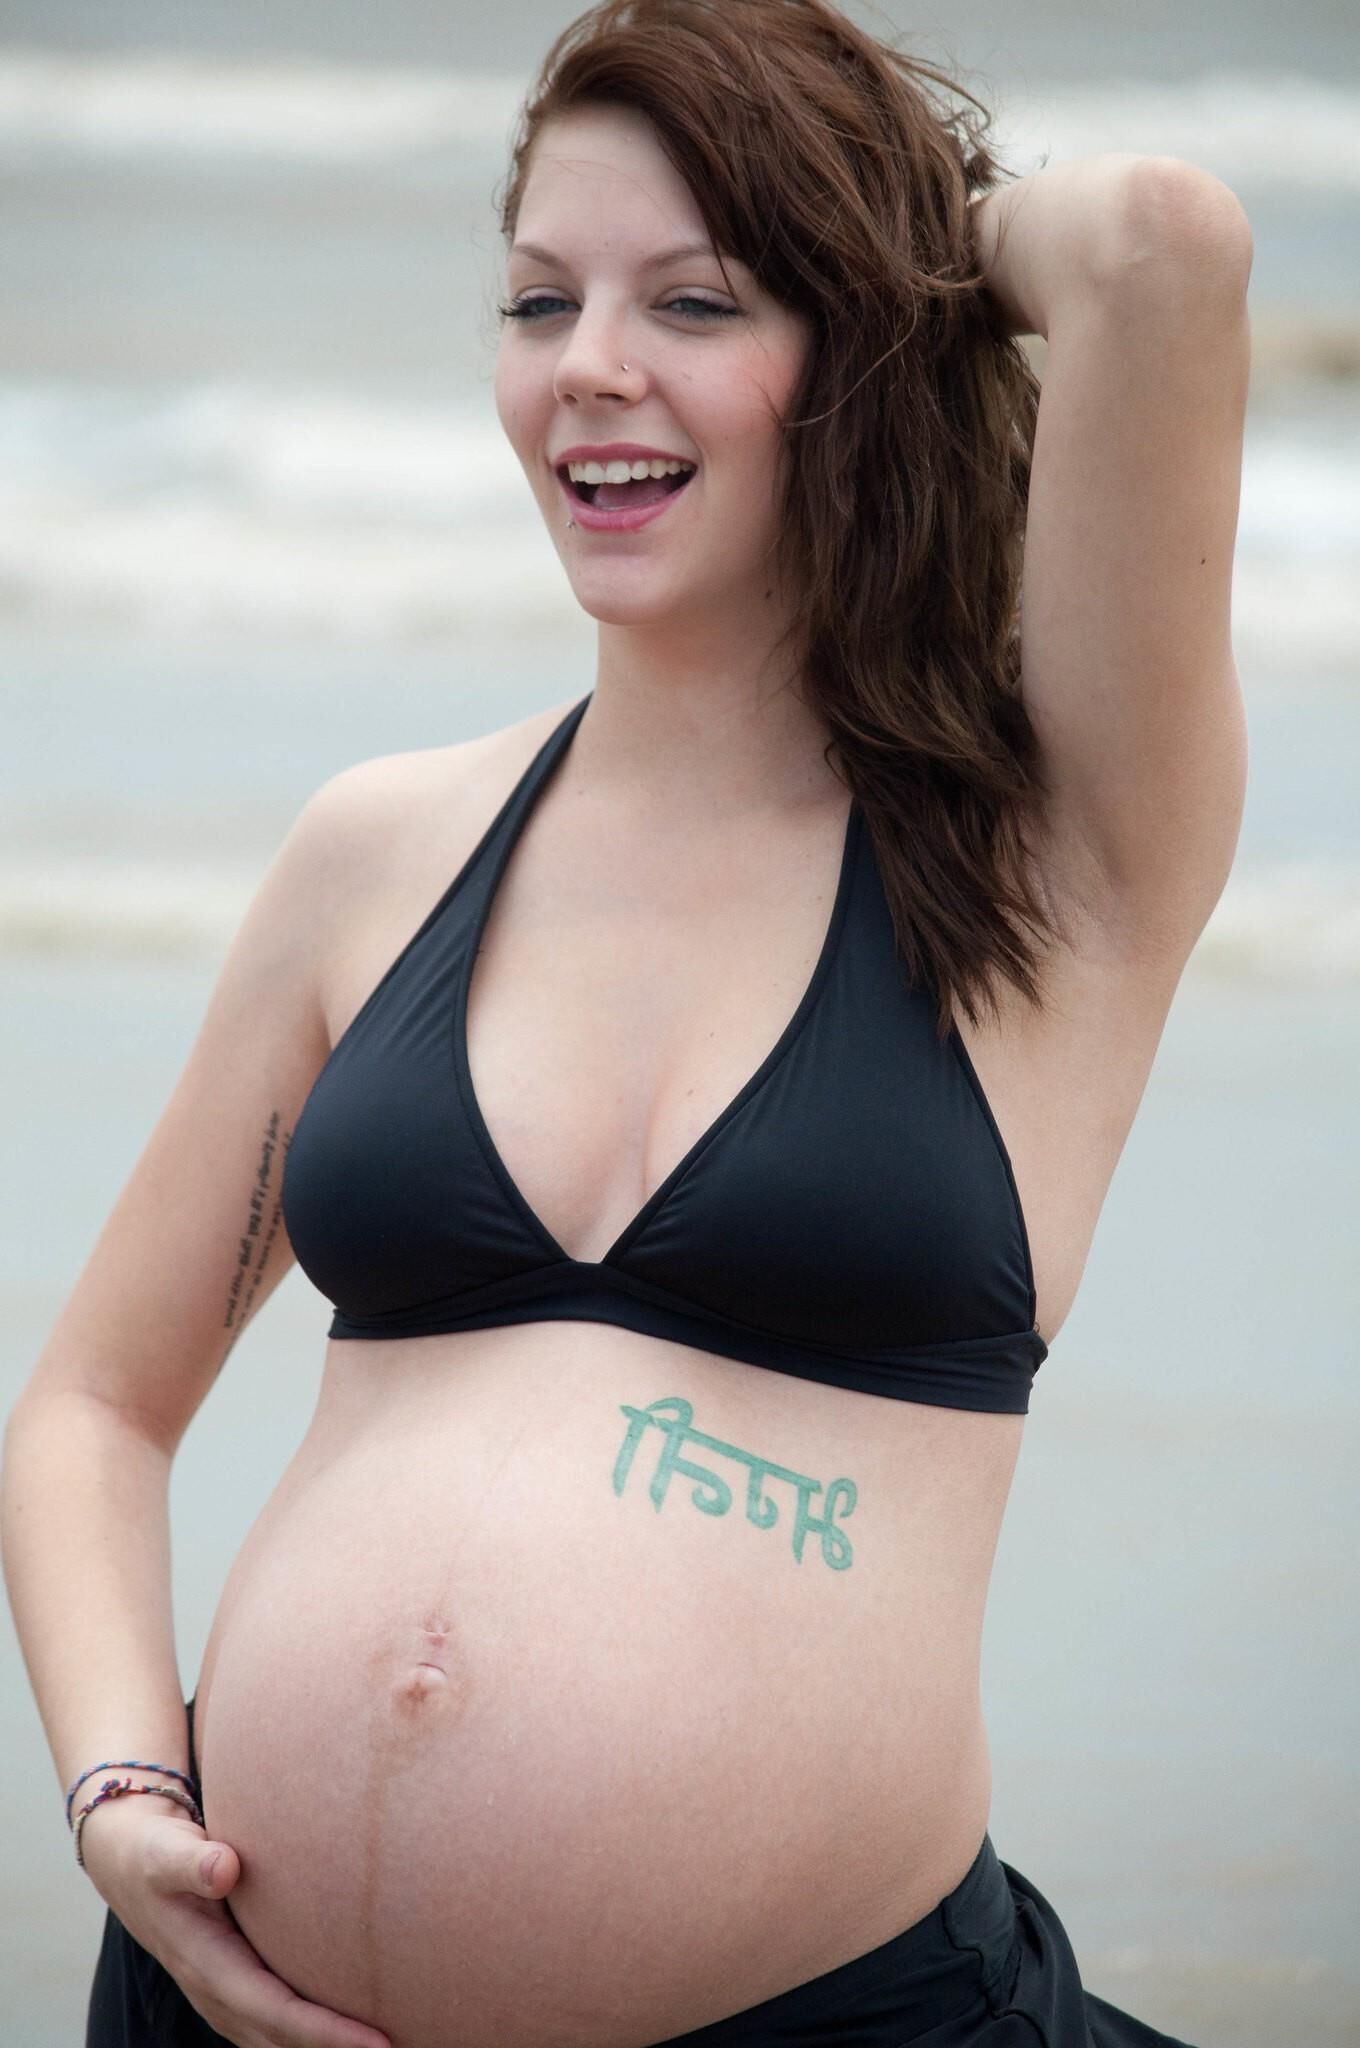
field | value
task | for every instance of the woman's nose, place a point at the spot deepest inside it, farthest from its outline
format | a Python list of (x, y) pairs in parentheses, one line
[(589, 367)]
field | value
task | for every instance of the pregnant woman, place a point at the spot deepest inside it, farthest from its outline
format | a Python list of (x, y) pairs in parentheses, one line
[(697, 1101)]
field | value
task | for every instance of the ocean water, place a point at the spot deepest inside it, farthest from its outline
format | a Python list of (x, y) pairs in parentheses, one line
[(257, 521)]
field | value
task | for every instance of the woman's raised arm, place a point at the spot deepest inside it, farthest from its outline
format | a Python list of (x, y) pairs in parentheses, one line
[(1135, 269)]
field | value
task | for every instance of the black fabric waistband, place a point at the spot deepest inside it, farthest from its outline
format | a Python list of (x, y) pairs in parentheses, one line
[(961, 1959)]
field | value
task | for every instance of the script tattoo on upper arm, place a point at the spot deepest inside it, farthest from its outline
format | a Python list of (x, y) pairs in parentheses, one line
[(673, 1417), (262, 1227)]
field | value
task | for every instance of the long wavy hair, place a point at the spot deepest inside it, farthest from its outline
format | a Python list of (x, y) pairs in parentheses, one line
[(834, 167)]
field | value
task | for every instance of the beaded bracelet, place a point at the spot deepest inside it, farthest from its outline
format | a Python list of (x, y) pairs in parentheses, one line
[(127, 1764), (118, 1788)]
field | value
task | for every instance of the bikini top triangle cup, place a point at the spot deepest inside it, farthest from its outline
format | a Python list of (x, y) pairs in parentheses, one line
[(850, 1216)]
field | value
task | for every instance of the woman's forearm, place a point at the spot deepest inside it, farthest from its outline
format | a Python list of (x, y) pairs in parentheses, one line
[(1055, 233), (84, 1519)]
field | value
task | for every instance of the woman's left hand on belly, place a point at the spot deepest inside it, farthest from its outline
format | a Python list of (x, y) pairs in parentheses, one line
[(149, 1869)]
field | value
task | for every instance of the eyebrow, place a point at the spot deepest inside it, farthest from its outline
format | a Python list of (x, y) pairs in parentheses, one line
[(666, 256)]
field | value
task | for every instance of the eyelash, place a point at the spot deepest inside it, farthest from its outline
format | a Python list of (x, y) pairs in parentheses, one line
[(519, 309)]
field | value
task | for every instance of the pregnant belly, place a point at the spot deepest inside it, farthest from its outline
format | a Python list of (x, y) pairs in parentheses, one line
[(558, 1697)]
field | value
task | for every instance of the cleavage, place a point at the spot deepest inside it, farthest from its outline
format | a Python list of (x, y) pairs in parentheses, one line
[(612, 1021)]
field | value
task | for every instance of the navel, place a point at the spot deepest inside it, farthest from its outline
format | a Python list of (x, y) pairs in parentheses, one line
[(421, 1684), (429, 1679)]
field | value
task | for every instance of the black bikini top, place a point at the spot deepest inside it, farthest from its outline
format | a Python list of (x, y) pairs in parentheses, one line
[(851, 1216)]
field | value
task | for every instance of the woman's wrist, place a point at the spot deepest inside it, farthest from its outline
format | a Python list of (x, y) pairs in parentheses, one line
[(119, 1790), (83, 1786), (118, 1781)]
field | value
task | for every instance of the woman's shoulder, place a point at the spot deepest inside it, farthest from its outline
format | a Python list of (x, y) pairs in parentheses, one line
[(356, 823), (377, 843)]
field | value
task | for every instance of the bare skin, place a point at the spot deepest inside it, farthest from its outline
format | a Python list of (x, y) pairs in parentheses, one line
[(477, 1722), (592, 1641)]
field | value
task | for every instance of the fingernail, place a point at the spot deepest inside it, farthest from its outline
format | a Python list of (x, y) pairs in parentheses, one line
[(209, 1865)]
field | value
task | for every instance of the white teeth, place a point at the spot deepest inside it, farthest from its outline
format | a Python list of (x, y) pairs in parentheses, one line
[(624, 472)]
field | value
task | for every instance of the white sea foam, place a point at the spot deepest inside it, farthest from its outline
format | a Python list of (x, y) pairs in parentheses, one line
[(163, 103), (142, 909), (266, 511), (1301, 496), (189, 563), (1294, 923), (271, 511), (282, 453), (1254, 128), (1296, 616)]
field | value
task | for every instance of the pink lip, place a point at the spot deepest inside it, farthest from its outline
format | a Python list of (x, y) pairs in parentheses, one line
[(624, 521)]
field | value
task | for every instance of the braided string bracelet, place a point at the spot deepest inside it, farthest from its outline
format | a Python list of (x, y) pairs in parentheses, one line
[(119, 1788), (127, 1764)]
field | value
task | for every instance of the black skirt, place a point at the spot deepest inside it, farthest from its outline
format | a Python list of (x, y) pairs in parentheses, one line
[(991, 1965)]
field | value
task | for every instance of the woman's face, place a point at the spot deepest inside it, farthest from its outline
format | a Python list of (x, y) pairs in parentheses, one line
[(711, 367)]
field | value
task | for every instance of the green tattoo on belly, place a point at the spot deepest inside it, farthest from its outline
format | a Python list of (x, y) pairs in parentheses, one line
[(713, 1495)]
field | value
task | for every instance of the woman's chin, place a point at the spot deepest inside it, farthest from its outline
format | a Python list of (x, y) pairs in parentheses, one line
[(605, 596)]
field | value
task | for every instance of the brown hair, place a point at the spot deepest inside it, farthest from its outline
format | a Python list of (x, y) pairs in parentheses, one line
[(820, 158)]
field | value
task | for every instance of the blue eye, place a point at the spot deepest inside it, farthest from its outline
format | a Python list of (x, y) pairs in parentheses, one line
[(527, 309)]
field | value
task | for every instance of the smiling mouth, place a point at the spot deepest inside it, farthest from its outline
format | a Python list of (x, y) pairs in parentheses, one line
[(646, 491)]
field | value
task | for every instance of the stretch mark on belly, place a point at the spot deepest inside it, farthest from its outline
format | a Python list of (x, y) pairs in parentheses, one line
[(713, 1496), (373, 1823), (421, 1688)]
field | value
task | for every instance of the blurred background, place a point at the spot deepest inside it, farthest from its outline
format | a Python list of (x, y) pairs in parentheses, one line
[(257, 521)]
